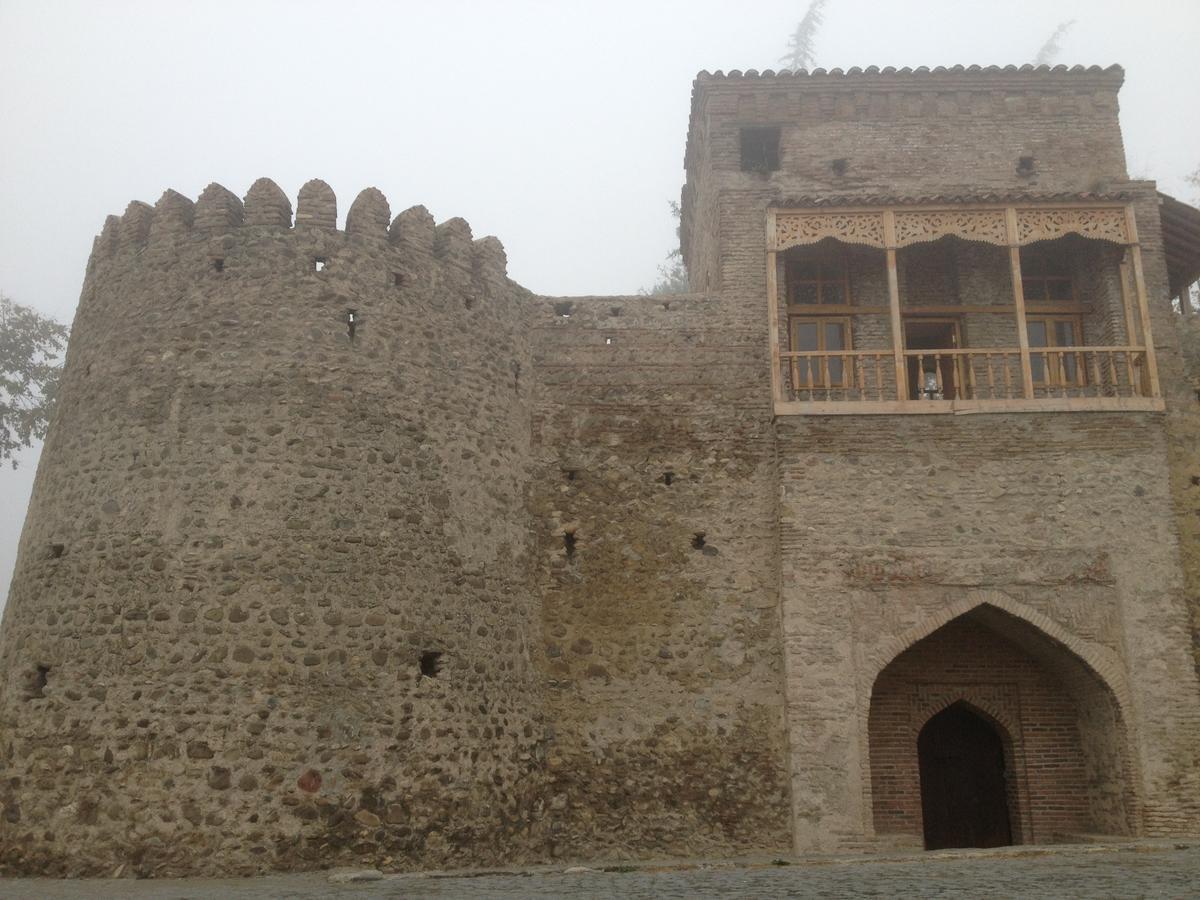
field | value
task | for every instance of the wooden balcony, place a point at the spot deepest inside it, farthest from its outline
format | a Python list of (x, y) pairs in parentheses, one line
[(818, 368), (964, 380)]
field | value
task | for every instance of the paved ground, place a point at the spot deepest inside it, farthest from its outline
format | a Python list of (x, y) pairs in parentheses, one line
[(1138, 870)]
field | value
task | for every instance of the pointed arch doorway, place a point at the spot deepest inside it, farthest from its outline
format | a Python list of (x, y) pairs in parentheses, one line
[(964, 794)]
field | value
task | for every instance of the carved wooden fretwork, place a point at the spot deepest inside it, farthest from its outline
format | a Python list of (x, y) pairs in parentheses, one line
[(915, 226), (794, 229), (1043, 224)]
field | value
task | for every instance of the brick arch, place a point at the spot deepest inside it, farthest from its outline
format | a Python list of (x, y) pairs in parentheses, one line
[(1100, 665), (1100, 660)]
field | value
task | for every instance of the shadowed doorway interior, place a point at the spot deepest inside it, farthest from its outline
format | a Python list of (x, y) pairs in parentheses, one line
[(964, 802)]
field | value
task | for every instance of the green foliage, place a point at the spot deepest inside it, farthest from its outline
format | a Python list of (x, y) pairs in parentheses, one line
[(29, 370), (801, 52), (1051, 49), (672, 274)]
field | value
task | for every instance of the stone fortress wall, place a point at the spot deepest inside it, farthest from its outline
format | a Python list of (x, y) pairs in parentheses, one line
[(272, 606), (346, 548)]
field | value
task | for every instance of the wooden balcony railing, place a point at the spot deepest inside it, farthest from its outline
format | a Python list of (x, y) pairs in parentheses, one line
[(967, 378)]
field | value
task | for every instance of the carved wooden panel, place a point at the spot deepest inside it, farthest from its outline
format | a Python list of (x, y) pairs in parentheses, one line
[(1044, 224), (793, 229), (915, 226)]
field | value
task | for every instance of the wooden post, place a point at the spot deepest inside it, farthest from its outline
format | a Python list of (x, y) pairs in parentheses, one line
[(889, 240), (1014, 262), (1139, 283), (1185, 300), (773, 311), (1131, 335)]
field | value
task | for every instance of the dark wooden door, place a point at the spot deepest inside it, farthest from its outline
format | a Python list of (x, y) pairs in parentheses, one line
[(963, 793)]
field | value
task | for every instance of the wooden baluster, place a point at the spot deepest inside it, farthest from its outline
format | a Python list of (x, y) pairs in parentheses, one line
[(937, 373), (825, 379), (969, 360), (861, 379), (1095, 358), (1062, 374), (920, 376), (991, 378)]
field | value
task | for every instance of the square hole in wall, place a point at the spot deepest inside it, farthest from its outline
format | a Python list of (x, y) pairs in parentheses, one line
[(760, 149), (319, 264)]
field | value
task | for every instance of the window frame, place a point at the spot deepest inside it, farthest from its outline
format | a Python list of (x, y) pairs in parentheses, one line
[(821, 383), (793, 281), (760, 137), (1054, 369)]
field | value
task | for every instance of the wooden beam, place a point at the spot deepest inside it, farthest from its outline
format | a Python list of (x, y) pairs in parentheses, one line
[(968, 407), (889, 237), (943, 309), (1139, 281), (1014, 262), (773, 309)]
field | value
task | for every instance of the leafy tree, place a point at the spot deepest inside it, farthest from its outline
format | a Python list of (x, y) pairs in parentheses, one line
[(29, 369), (1051, 48), (672, 274), (801, 52)]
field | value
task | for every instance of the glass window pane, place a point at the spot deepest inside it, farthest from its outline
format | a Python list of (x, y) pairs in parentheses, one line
[(1037, 333), (1064, 333), (835, 336), (806, 335), (836, 368)]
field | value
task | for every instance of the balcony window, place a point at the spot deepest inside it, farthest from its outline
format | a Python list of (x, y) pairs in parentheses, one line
[(819, 337)]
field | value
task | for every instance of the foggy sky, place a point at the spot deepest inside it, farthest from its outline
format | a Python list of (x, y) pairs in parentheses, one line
[(557, 126)]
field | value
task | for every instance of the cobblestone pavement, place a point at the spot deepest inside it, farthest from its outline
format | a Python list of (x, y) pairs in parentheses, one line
[(1137, 870)]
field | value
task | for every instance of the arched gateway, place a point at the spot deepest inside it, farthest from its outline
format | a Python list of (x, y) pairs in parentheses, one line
[(988, 732)]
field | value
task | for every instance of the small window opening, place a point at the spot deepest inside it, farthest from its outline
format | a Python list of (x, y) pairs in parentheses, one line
[(57, 550), (609, 341), (760, 149), (1025, 165), (41, 677), (666, 304), (218, 265), (668, 478), (351, 323), (1196, 481), (431, 663), (698, 540), (319, 264), (563, 310), (397, 279), (839, 167), (570, 473), (569, 543)]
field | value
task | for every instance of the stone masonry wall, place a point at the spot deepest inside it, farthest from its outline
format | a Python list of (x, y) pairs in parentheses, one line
[(894, 526), (654, 507), (271, 608)]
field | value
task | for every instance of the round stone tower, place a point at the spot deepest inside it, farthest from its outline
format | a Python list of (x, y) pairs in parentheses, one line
[(271, 608)]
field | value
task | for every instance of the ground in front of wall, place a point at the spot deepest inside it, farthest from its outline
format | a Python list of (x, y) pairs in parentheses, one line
[(1141, 869)]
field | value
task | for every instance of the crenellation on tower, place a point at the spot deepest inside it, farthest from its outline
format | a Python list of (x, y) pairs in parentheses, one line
[(316, 206), (267, 205), (218, 209), (369, 215)]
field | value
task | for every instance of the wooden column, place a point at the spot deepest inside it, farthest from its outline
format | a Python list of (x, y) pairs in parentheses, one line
[(773, 310), (1014, 262), (1139, 283), (889, 239), (1131, 333)]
